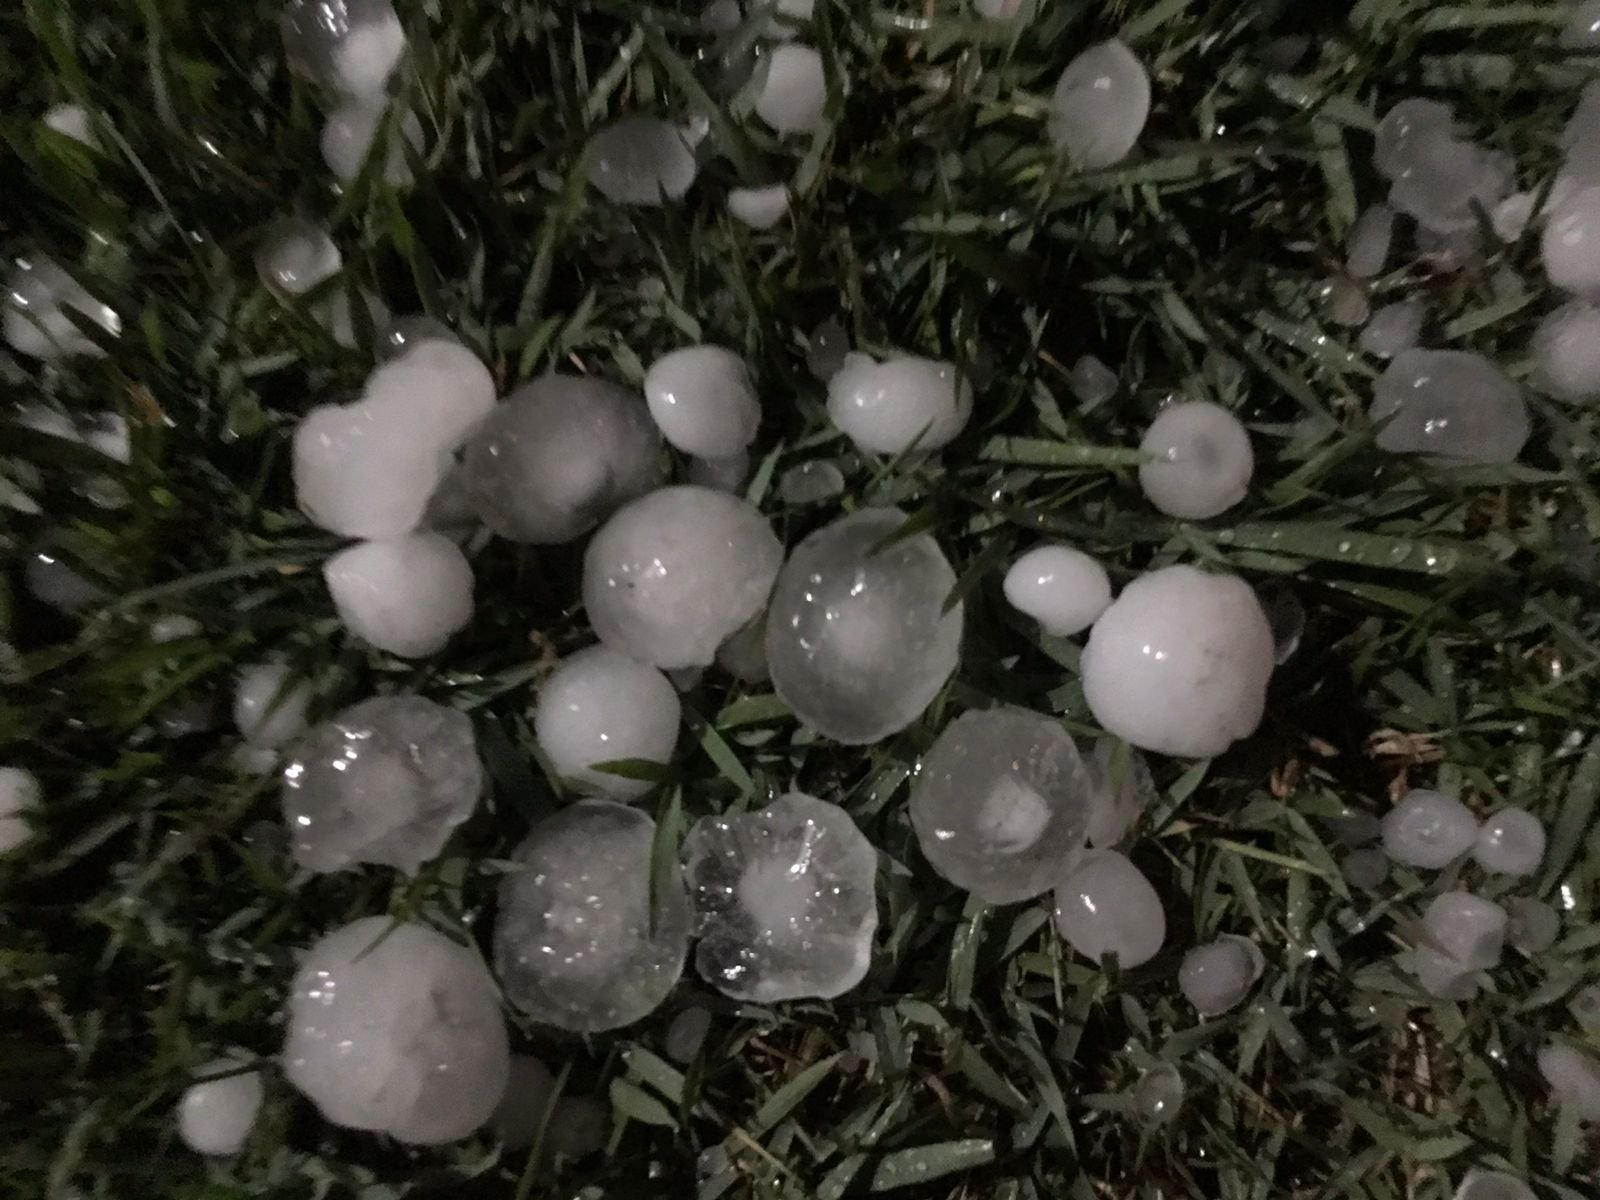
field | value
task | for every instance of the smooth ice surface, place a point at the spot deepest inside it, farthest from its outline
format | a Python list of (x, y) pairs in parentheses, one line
[(1063, 589), (1468, 928), (1218, 976), (793, 91), (1344, 301), (1532, 925), (296, 256), (393, 1027), (1120, 789), (270, 703), (559, 456), (1492, 1185), (38, 293), (1092, 382), (889, 407), (640, 160), (351, 46), (827, 346), (720, 474), (810, 482), (71, 120), (1179, 663), (1394, 328), (1510, 842), (1001, 803), (1451, 403), (1573, 1077), (1370, 238), (759, 207), (601, 706), (1105, 905), (1405, 126), (1438, 177), (575, 945), (1571, 244), (1582, 30), (703, 400), (1158, 1095), (406, 595), (1100, 105), (1566, 352), (1427, 829), (674, 574), (351, 129), (215, 1115), (1199, 461), (19, 797), (785, 900), (857, 639), (385, 781)]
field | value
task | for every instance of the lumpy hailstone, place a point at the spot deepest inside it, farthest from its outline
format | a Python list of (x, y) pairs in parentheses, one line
[(395, 1028), (38, 294), (785, 900), (1179, 664), (576, 944), (1100, 106), (19, 797), (352, 128), (794, 90), (1510, 842), (1105, 905), (406, 595), (601, 706), (1428, 830), (1198, 461), (351, 46), (270, 703), (1574, 1079), (1438, 177), (1063, 589), (759, 208), (1450, 403), (216, 1114), (1566, 349), (858, 639), (1218, 976), (640, 160), (703, 400), (892, 406)]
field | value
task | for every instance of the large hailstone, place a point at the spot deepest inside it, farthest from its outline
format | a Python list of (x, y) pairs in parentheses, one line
[(601, 706), (351, 46), (1105, 905), (858, 638), (406, 595), (1001, 804), (1574, 1079), (785, 900), (1510, 842), (1218, 976), (216, 1114), (270, 703), (352, 128), (38, 294), (703, 400), (577, 945), (1566, 350), (1428, 829), (1451, 403), (385, 781), (641, 161), (1468, 928), (1199, 461), (1179, 664), (1063, 589), (1571, 244), (1438, 177), (674, 574), (793, 90), (395, 1028), (19, 798), (901, 403), (1100, 106)]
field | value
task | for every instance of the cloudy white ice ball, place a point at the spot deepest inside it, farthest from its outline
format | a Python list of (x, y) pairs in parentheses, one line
[(1105, 905), (1571, 244), (296, 256), (1092, 382), (1453, 404), (892, 406), (217, 1113), (270, 703), (640, 161), (1510, 842), (1063, 589), (1100, 106), (1428, 829), (1566, 351), (703, 400), (1394, 328), (793, 90), (1218, 975), (406, 595), (1198, 461), (601, 706), (810, 482), (1469, 929), (759, 207), (1492, 1185)]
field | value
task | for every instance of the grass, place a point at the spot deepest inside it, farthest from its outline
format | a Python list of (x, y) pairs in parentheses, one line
[(1452, 636)]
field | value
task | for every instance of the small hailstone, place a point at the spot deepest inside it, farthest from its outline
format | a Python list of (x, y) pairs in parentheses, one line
[(406, 595), (687, 1034), (785, 900), (810, 482), (827, 346), (1492, 1185), (901, 403), (1100, 106), (1218, 975), (1344, 301), (37, 294), (1179, 663), (1450, 403), (71, 120), (395, 1028), (1158, 1095), (601, 706), (351, 46), (1120, 789), (52, 581), (1510, 842), (1063, 589), (1370, 238), (1467, 928), (703, 400), (674, 574), (1574, 1079), (794, 90), (1428, 830), (215, 1115), (1105, 905), (1092, 382), (1582, 31), (385, 781), (1394, 328), (576, 944), (19, 796), (1532, 926), (858, 638), (1571, 243), (1199, 461), (720, 474), (759, 208), (640, 161), (1512, 216), (270, 703), (351, 129), (297, 256), (400, 334), (1566, 349)]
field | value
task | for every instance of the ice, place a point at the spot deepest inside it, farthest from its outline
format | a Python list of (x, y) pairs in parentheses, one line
[(761, 207), (561, 455), (1344, 301), (365, 58), (1063, 589), (577, 945), (71, 120), (1582, 31), (270, 703), (1158, 1095), (1105, 905), (674, 574), (19, 799), (1493, 1185), (1092, 382), (1370, 239), (1440, 178), (785, 900), (827, 346), (1198, 461), (640, 160), (1571, 244), (901, 403), (1450, 403), (1566, 350), (1429, 830), (703, 400), (1510, 842), (351, 46), (395, 1028), (1532, 925), (1467, 928), (573, 1128), (38, 295), (1574, 1079), (1218, 976), (1512, 216), (687, 1034), (720, 474), (216, 1115), (400, 334), (385, 781), (1179, 663), (1404, 127), (810, 482), (351, 129), (53, 581), (1584, 1005), (1100, 106), (1394, 329), (406, 595), (296, 256), (857, 637), (794, 90), (1439, 974), (601, 706), (1120, 789)]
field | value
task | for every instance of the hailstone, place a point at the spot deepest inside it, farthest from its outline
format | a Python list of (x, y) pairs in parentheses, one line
[(1394, 328), (1574, 1078), (1492, 1185), (406, 595), (1217, 976), (1198, 461), (19, 798), (351, 46), (1105, 905), (810, 482), (1092, 382), (640, 161), (352, 128), (1566, 349), (793, 91), (1571, 243), (601, 706), (1428, 829), (703, 400), (759, 208), (270, 703), (1063, 589), (1100, 105), (1467, 928), (296, 256), (1120, 789), (1451, 403), (1510, 842), (216, 1114), (899, 404)]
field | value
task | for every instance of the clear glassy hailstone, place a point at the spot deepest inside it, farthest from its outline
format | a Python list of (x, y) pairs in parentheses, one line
[(1438, 177), (1566, 352), (1532, 925), (1571, 244), (601, 706), (1179, 663), (1394, 328), (1468, 929), (1100, 106), (703, 400), (296, 256), (1199, 461), (858, 639), (1510, 842), (810, 482), (351, 46), (1428, 829), (1573, 1078), (1370, 239), (19, 798), (270, 703), (785, 900), (1218, 976), (1120, 789), (38, 294), (352, 128), (793, 90), (385, 781), (1158, 1095), (1105, 905), (759, 208), (576, 944), (1063, 589), (216, 1114), (640, 160), (1492, 1185), (395, 1028), (1450, 403), (900, 403), (406, 595)]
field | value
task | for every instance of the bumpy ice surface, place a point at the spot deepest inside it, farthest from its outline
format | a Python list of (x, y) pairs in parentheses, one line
[(602, 706), (270, 703), (1218, 976), (406, 595), (1105, 905), (38, 294), (1510, 842), (1451, 403), (640, 160), (1394, 328), (216, 1114), (350, 46), (889, 407), (1063, 589), (1200, 461), (793, 91), (1100, 106), (1429, 830), (703, 400)]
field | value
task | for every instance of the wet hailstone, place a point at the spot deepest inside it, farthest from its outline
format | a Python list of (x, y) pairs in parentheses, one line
[(1199, 461), (573, 1128), (1428, 829), (296, 256), (1467, 928), (858, 639), (19, 799), (810, 482), (71, 120), (38, 293), (1344, 301), (1100, 105), (1450, 403), (395, 1028), (402, 333), (1512, 216), (576, 944), (1573, 1077), (720, 474), (640, 161), (687, 1034), (1092, 382), (406, 595), (1394, 329), (793, 90), (703, 400), (1158, 1095), (1566, 351), (216, 1113), (352, 128), (385, 781), (601, 706), (1218, 976), (1365, 869), (761, 207), (1063, 589), (901, 403), (1120, 789), (1571, 244), (1584, 1005), (1492, 1185), (827, 346), (1370, 239), (1105, 905), (1532, 926), (54, 582), (1438, 177), (1510, 842), (351, 46), (270, 703)]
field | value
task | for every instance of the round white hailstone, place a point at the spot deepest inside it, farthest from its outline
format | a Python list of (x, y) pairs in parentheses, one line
[(395, 1028), (71, 120), (601, 706), (576, 944), (385, 781), (899, 404), (703, 400), (1512, 216), (37, 294), (351, 46), (720, 474), (1510, 842), (51, 580), (1092, 382), (1467, 928), (215, 1115), (1000, 804), (1582, 31), (296, 256), (1365, 869), (1444, 181), (1218, 976), (675, 573), (687, 1034), (827, 346), (1105, 905), (1453, 404), (1405, 126), (1179, 663), (174, 627), (400, 334), (1439, 974), (19, 796), (1394, 328), (641, 161), (1121, 788), (1572, 243), (1493, 1185), (785, 899), (794, 91), (1100, 106), (858, 639), (1428, 830), (367, 56), (1532, 926), (1158, 1095), (810, 482), (1567, 351), (351, 129), (406, 595), (1199, 461), (270, 703), (759, 208), (1574, 1079), (1063, 589), (559, 456), (1370, 238)]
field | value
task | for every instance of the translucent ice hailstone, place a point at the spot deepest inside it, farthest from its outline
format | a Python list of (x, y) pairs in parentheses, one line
[(858, 639), (1574, 1079), (71, 120), (1092, 382), (270, 703), (1394, 328), (1158, 1095), (674, 574), (1100, 106), (810, 482), (351, 46), (38, 294), (601, 706), (703, 400), (351, 129), (1105, 905), (559, 456), (216, 1114), (889, 407), (1467, 928), (641, 161), (395, 1028), (1510, 842), (576, 944), (1063, 589), (406, 595), (1121, 788), (785, 900), (385, 781), (1453, 404), (827, 346), (793, 91), (1218, 976), (760, 207), (1199, 461), (19, 797), (1566, 349), (1571, 244), (1428, 829), (1179, 663), (296, 256), (1439, 178), (1492, 1185), (1370, 238)]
